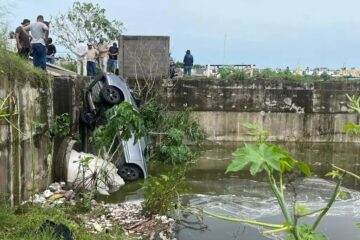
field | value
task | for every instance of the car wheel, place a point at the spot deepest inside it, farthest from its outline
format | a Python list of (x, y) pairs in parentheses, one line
[(130, 172), (88, 118), (111, 95)]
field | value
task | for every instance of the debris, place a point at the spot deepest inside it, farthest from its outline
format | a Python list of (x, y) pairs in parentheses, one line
[(55, 187), (55, 197), (47, 193), (98, 227), (105, 183)]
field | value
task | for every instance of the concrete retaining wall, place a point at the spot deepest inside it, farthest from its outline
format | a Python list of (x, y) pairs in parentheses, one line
[(25, 155), (291, 111), (27, 158)]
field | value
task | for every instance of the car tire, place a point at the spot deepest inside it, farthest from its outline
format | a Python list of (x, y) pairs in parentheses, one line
[(88, 118), (130, 172), (111, 95)]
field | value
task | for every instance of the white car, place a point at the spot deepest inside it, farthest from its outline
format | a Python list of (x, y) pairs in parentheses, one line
[(104, 92)]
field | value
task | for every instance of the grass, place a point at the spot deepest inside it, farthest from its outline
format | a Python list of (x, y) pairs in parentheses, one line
[(16, 68), (267, 74), (71, 66), (23, 222)]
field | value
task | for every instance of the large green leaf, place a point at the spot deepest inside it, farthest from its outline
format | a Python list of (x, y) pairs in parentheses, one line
[(258, 156), (304, 168), (236, 165)]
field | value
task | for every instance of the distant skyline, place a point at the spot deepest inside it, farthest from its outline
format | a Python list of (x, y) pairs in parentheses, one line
[(276, 33)]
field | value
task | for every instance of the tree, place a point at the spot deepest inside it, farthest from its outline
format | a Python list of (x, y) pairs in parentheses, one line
[(4, 14), (84, 21)]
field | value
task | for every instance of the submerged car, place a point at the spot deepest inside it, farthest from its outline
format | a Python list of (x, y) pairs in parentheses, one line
[(103, 93)]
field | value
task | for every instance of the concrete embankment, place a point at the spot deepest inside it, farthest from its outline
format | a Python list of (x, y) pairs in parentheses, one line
[(290, 110)]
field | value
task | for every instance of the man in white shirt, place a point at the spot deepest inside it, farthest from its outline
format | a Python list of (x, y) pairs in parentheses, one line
[(39, 34), (80, 52)]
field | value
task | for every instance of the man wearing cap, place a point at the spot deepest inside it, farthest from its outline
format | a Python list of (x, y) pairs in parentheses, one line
[(91, 56), (23, 40), (39, 33)]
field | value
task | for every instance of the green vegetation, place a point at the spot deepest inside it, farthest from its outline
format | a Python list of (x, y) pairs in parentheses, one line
[(121, 122), (16, 68), (153, 120), (23, 223), (173, 129), (6, 113), (161, 193), (240, 74), (71, 66), (235, 74), (84, 21), (61, 126)]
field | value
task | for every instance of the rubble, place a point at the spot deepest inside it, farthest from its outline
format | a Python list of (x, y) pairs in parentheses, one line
[(127, 214)]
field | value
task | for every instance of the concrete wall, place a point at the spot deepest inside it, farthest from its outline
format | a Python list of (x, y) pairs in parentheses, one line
[(143, 57), (25, 157), (28, 159), (291, 111)]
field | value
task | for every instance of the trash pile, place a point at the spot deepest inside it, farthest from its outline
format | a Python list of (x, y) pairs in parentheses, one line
[(128, 215), (54, 195), (134, 223)]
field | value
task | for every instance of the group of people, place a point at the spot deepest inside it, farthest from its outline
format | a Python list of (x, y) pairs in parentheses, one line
[(38, 44), (88, 55), (41, 48)]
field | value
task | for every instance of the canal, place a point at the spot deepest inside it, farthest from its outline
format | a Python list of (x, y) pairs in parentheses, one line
[(244, 196)]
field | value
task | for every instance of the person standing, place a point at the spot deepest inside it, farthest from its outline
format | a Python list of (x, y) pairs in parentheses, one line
[(23, 40), (81, 62), (91, 56), (188, 63), (113, 56), (103, 53), (39, 33), (51, 50)]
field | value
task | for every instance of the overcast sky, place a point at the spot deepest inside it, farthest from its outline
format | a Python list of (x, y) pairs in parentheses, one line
[(268, 33)]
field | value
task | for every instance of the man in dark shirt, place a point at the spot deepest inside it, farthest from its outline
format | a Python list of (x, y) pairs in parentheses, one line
[(188, 63), (51, 50), (113, 56), (22, 40)]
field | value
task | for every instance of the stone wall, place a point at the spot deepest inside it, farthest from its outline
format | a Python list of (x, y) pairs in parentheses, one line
[(291, 111), (144, 57)]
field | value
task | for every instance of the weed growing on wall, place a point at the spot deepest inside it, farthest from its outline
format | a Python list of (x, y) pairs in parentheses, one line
[(174, 130), (16, 68), (60, 126)]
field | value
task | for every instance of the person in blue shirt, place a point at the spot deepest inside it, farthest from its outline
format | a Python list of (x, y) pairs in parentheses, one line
[(188, 63)]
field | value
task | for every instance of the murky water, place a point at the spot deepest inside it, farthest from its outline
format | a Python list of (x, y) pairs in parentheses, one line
[(243, 196)]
